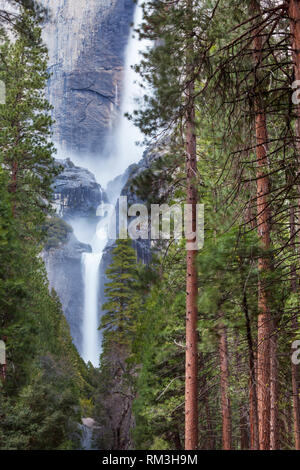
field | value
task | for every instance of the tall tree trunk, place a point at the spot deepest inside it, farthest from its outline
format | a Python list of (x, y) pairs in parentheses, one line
[(296, 407), (191, 358), (253, 417), (191, 369), (254, 439), (296, 404), (264, 317), (295, 326), (294, 15), (225, 398), (263, 223), (274, 436)]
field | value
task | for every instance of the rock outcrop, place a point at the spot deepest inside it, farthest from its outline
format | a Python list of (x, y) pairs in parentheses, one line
[(63, 265), (142, 247), (76, 192), (86, 42)]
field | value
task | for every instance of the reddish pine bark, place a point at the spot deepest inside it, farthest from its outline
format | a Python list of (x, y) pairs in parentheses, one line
[(263, 223), (225, 398), (191, 367), (253, 417), (294, 15), (295, 326)]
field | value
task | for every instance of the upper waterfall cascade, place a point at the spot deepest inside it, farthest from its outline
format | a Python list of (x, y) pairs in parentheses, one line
[(124, 142)]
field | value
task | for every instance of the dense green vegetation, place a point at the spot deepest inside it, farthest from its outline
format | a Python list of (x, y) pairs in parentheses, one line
[(115, 385), (197, 346), (221, 73), (46, 380), (57, 232)]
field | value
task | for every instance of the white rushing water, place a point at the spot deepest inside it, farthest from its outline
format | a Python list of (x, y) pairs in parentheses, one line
[(127, 135), (122, 152), (91, 346)]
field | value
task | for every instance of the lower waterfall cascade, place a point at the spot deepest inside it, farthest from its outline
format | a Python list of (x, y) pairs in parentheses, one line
[(91, 346)]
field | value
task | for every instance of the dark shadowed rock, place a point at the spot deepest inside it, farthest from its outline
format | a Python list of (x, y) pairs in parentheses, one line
[(142, 247), (64, 270), (76, 192)]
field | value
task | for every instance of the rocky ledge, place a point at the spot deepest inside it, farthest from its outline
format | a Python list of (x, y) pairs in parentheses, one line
[(76, 192)]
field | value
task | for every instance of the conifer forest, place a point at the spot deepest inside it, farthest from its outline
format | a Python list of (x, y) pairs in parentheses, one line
[(150, 225)]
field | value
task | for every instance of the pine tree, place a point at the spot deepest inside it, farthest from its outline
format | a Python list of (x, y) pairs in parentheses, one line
[(26, 149), (120, 291), (40, 399), (174, 69), (116, 388), (263, 224), (248, 178)]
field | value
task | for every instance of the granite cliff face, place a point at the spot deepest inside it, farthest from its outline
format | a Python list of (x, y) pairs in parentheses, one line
[(123, 185), (142, 247), (64, 270), (86, 42), (76, 192)]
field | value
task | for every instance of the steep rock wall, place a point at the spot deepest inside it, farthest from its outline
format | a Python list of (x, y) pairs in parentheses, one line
[(86, 41), (64, 270)]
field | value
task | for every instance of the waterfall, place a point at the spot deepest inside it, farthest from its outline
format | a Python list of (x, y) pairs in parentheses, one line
[(127, 134), (123, 152), (120, 152), (91, 344)]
